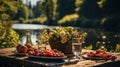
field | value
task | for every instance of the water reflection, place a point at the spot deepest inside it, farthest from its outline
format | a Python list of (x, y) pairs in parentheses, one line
[(33, 38), (28, 26), (23, 28)]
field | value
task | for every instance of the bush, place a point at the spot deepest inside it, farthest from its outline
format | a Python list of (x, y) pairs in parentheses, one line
[(89, 47), (10, 38), (68, 18), (111, 23), (117, 48)]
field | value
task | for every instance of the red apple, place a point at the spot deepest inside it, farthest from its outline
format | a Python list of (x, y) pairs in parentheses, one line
[(18, 47), (22, 49)]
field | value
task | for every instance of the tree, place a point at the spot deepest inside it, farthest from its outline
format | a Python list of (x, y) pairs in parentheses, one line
[(2, 30), (23, 12), (8, 8), (37, 9), (29, 5), (90, 9), (47, 10), (111, 13), (89, 13), (31, 15), (8, 37), (67, 19), (111, 7), (65, 7)]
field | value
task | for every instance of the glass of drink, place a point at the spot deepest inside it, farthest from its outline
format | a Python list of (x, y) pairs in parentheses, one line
[(76, 47)]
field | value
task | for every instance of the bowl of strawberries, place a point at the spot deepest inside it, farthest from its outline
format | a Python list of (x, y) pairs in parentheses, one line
[(99, 54)]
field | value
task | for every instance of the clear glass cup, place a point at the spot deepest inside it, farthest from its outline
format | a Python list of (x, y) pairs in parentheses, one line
[(76, 47)]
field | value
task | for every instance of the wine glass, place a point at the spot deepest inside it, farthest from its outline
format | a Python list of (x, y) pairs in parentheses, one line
[(76, 47)]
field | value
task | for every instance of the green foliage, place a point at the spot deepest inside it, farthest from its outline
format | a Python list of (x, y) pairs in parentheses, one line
[(38, 9), (31, 15), (68, 18), (65, 7), (8, 38), (8, 8), (49, 11), (111, 21), (2, 30), (111, 13), (89, 47), (55, 10), (11, 39), (111, 7), (8, 5), (23, 12), (117, 48), (90, 9), (45, 9), (78, 4), (4, 16), (39, 20), (101, 2)]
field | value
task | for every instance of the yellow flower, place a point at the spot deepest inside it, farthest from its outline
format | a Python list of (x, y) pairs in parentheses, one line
[(70, 28), (58, 28), (63, 40), (50, 35), (62, 33)]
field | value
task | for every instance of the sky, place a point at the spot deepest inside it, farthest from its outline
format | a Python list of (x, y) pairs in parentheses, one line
[(33, 2)]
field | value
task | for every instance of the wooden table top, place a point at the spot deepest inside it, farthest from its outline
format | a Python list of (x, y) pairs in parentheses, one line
[(8, 53)]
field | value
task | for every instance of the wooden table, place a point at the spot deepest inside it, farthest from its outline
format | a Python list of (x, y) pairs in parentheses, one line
[(9, 59)]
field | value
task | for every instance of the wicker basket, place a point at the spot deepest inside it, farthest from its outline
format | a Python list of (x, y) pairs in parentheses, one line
[(66, 49)]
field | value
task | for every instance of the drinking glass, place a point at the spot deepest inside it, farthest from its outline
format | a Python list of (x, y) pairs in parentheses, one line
[(76, 47)]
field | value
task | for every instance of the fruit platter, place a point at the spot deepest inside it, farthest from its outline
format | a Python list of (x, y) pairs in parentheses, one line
[(32, 52), (47, 54), (99, 55)]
